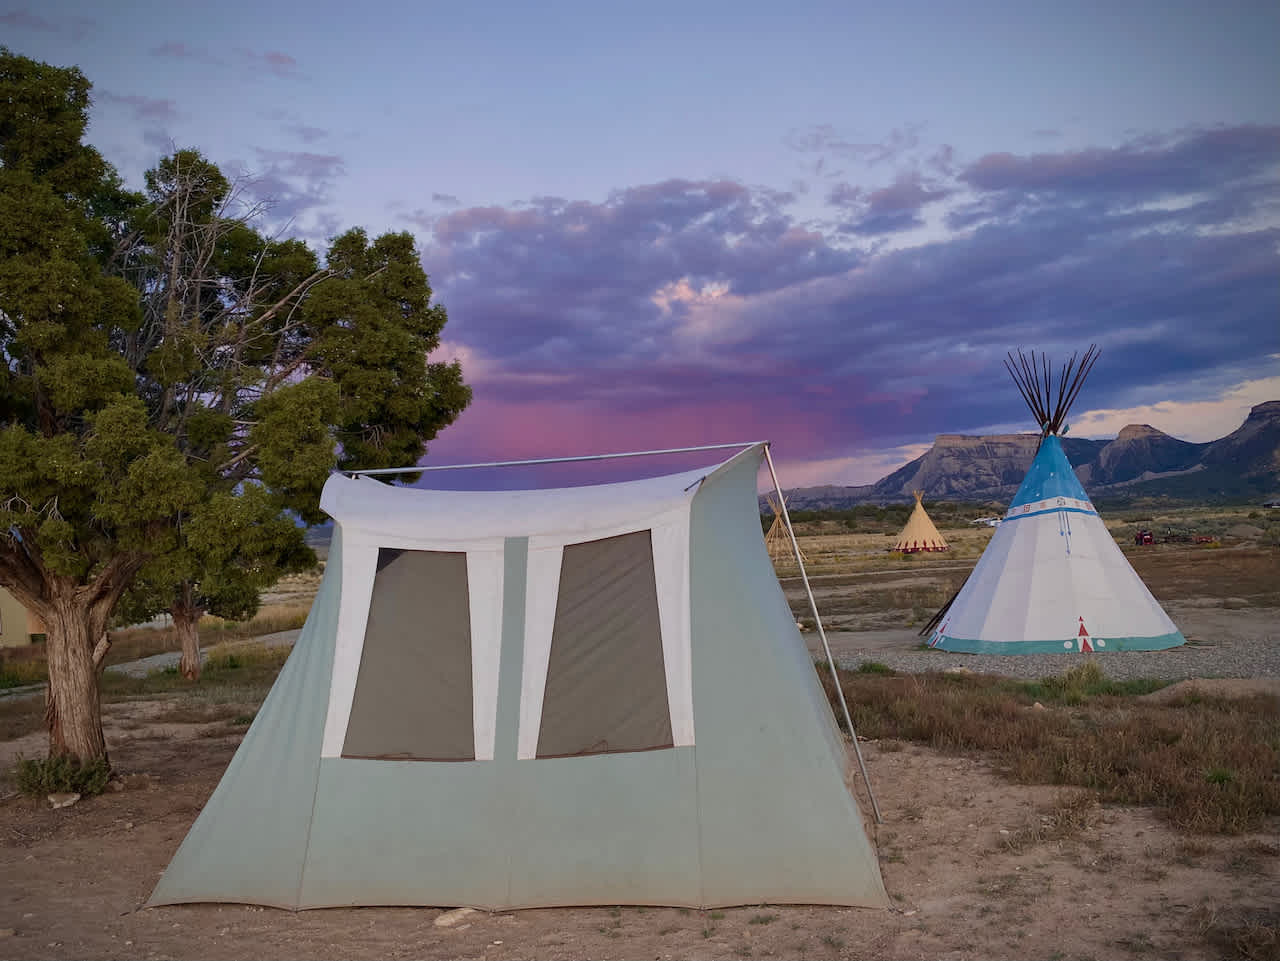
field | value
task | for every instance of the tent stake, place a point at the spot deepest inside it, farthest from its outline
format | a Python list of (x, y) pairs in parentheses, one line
[(817, 619)]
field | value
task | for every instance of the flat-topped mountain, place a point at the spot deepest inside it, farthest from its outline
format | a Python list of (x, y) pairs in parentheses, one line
[(1141, 461)]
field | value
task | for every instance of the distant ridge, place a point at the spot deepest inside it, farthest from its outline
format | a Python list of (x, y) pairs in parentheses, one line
[(1140, 462)]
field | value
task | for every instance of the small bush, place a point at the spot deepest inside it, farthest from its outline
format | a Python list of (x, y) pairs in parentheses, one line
[(874, 667), (61, 775)]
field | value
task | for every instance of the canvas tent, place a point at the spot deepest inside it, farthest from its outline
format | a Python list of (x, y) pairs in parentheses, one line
[(919, 534), (1052, 578), (578, 696)]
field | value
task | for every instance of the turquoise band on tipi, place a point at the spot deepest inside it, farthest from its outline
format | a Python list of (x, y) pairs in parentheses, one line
[(1050, 476)]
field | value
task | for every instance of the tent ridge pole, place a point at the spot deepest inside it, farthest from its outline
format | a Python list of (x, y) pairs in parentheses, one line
[(817, 619), (418, 469)]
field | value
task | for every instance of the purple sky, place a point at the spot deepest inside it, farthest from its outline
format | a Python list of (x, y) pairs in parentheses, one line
[(822, 225)]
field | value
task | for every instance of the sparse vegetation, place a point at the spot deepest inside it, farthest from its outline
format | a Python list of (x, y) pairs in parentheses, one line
[(1246, 935), (61, 774), (1066, 818), (1125, 750)]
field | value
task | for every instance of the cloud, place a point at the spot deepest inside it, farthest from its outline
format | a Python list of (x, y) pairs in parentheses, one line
[(1196, 421), (21, 18), (269, 61), (307, 134), (273, 62), (851, 470), (297, 187), (145, 109), (824, 139), (886, 210), (686, 312), (445, 200), (181, 51), (1148, 167)]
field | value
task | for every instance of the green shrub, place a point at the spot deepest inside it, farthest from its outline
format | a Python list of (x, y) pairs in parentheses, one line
[(61, 775), (874, 667)]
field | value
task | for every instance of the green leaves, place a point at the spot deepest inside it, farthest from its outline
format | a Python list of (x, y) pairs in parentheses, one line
[(178, 385)]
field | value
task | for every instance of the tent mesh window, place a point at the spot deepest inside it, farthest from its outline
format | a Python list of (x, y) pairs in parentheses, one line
[(413, 692), (606, 689)]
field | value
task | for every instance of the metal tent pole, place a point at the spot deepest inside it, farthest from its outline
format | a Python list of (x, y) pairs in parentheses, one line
[(545, 460), (831, 661)]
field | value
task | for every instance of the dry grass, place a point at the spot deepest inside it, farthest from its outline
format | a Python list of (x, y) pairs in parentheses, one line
[(240, 676), (138, 642), (1248, 935), (1207, 766), (23, 666), (1065, 819)]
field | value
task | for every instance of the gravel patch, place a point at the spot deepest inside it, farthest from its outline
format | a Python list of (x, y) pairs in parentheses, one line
[(1237, 659), (1220, 644)]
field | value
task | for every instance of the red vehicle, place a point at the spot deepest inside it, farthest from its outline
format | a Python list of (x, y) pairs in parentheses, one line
[(1143, 537)]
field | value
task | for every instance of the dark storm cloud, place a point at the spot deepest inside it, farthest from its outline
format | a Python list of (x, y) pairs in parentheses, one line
[(559, 272), (1152, 166), (688, 296)]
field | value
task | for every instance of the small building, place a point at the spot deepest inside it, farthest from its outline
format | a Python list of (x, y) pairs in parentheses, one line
[(18, 626)]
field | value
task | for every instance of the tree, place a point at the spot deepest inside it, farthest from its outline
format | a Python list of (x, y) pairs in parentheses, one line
[(176, 385)]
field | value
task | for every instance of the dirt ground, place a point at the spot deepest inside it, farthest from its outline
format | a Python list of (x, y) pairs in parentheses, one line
[(972, 863), (961, 850)]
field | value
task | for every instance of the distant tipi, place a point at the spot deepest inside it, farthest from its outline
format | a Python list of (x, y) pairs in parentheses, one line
[(920, 534), (1052, 578), (778, 540)]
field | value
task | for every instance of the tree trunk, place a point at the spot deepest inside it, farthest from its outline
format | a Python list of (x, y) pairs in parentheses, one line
[(73, 710), (186, 621)]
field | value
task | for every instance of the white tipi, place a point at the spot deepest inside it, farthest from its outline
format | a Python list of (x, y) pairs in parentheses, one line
[(920, 534), (1052, 578)]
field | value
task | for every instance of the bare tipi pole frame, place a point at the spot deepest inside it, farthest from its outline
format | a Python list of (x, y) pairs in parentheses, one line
[(775, 541), (817, 619)]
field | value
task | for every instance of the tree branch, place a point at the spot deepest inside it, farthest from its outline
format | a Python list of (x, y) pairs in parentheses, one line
[(247, 452)]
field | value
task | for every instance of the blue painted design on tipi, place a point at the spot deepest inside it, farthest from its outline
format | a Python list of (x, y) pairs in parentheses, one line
[(1050, 476)]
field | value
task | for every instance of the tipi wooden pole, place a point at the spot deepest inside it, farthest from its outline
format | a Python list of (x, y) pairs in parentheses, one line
[(817, 619)]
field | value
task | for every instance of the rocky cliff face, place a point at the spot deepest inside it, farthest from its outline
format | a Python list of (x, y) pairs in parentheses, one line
[(1140, 459), (1139, 450), (958, 466), (1252, 449)]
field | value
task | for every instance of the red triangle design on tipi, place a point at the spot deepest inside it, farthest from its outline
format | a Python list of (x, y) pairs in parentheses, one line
[(1082, 639)]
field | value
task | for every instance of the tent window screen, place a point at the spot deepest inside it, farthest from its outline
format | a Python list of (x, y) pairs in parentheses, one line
[(606, 689), (413, 692)]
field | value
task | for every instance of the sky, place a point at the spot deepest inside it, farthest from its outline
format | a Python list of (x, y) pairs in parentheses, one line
[(820, 224)]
